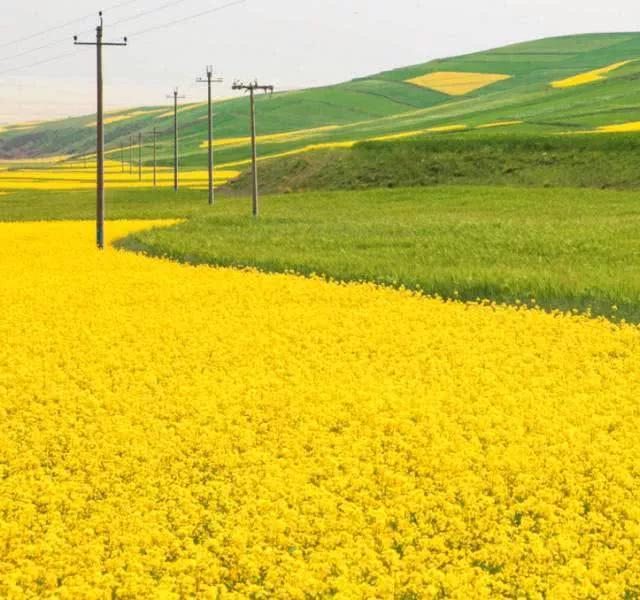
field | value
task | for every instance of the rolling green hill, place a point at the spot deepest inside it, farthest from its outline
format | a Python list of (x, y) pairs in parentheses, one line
[(387, 106)]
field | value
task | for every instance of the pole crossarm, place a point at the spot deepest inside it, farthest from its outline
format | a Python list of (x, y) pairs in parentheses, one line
[(252, 87)]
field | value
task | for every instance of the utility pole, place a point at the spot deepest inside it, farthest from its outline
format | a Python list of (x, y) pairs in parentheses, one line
[(209, 80), (130, 155), (155, 133), (140, 156), (175, 137), (122, 155), (251, 88), (100, 201)]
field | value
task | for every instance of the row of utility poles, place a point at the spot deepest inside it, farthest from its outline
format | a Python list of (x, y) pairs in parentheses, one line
[(154, 137), (252, 88)]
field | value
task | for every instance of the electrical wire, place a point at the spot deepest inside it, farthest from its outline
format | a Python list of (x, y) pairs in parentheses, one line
[(40, 62), (138, 33), (189, 18), (148, 12), (45, 46), (64, 25)]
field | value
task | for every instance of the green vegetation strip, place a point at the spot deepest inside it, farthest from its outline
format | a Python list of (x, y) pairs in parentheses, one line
[(565, 248), (594, 161)]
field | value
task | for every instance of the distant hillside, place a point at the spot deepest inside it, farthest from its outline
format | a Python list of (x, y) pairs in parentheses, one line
[(560, 85)]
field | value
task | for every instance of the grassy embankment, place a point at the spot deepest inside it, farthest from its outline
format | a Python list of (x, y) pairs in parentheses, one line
[(566, 248), (592, 161)]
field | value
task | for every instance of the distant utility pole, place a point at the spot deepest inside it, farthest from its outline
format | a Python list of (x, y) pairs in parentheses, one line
[(122, 155), (251, 88), (155, 133), (209, 80), (100, 204), (130, 155), (140, 156), (175, 137)]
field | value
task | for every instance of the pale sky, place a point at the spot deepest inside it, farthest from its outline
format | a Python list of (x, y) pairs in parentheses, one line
[(289, 43)]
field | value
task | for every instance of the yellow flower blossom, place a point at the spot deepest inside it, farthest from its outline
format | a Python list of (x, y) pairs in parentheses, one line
[(454, 83), (172, 431), (589, 76)]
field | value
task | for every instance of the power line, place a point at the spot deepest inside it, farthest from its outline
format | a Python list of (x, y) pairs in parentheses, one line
[(189, 18), (58, 42), (148, 12), (40, 62), (138, 33), (64, 25)]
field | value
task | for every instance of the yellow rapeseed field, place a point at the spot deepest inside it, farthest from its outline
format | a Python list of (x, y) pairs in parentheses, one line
[(620, 127), (82, 176), (629, 127), (120, 116), (455, 83), (289, 136), (174, 431), (498, 124), (589, 76)]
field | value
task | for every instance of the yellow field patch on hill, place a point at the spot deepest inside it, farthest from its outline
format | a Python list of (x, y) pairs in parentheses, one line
[(304, 149), (126, 116), (621, 127), (455, 83), (417, 132), (498, 124), (289, 136), (182, 109), (629, 127), (589, 76)]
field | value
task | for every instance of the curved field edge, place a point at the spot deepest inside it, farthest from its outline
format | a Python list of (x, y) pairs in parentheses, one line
[(566, 250)]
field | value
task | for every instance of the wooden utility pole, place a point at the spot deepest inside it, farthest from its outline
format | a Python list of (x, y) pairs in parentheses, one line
[(122, 155), (209, 80), (175, 97), (140, 156), (100, 203), (130, 155), (251, 88), (155, 133)]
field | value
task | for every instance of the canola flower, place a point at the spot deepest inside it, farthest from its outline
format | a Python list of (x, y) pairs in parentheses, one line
[(454, 83), (589, 76), (415, 132), (498, 124), (620, 127), (629, 127), (181, 109), (74, 177), (175, 431), (289, 136), (120, 116)]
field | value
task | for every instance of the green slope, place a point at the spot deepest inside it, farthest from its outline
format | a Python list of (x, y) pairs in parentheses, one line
[(384, 104)]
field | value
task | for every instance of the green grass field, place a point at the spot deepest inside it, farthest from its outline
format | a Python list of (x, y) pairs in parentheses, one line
[(565, 248)]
